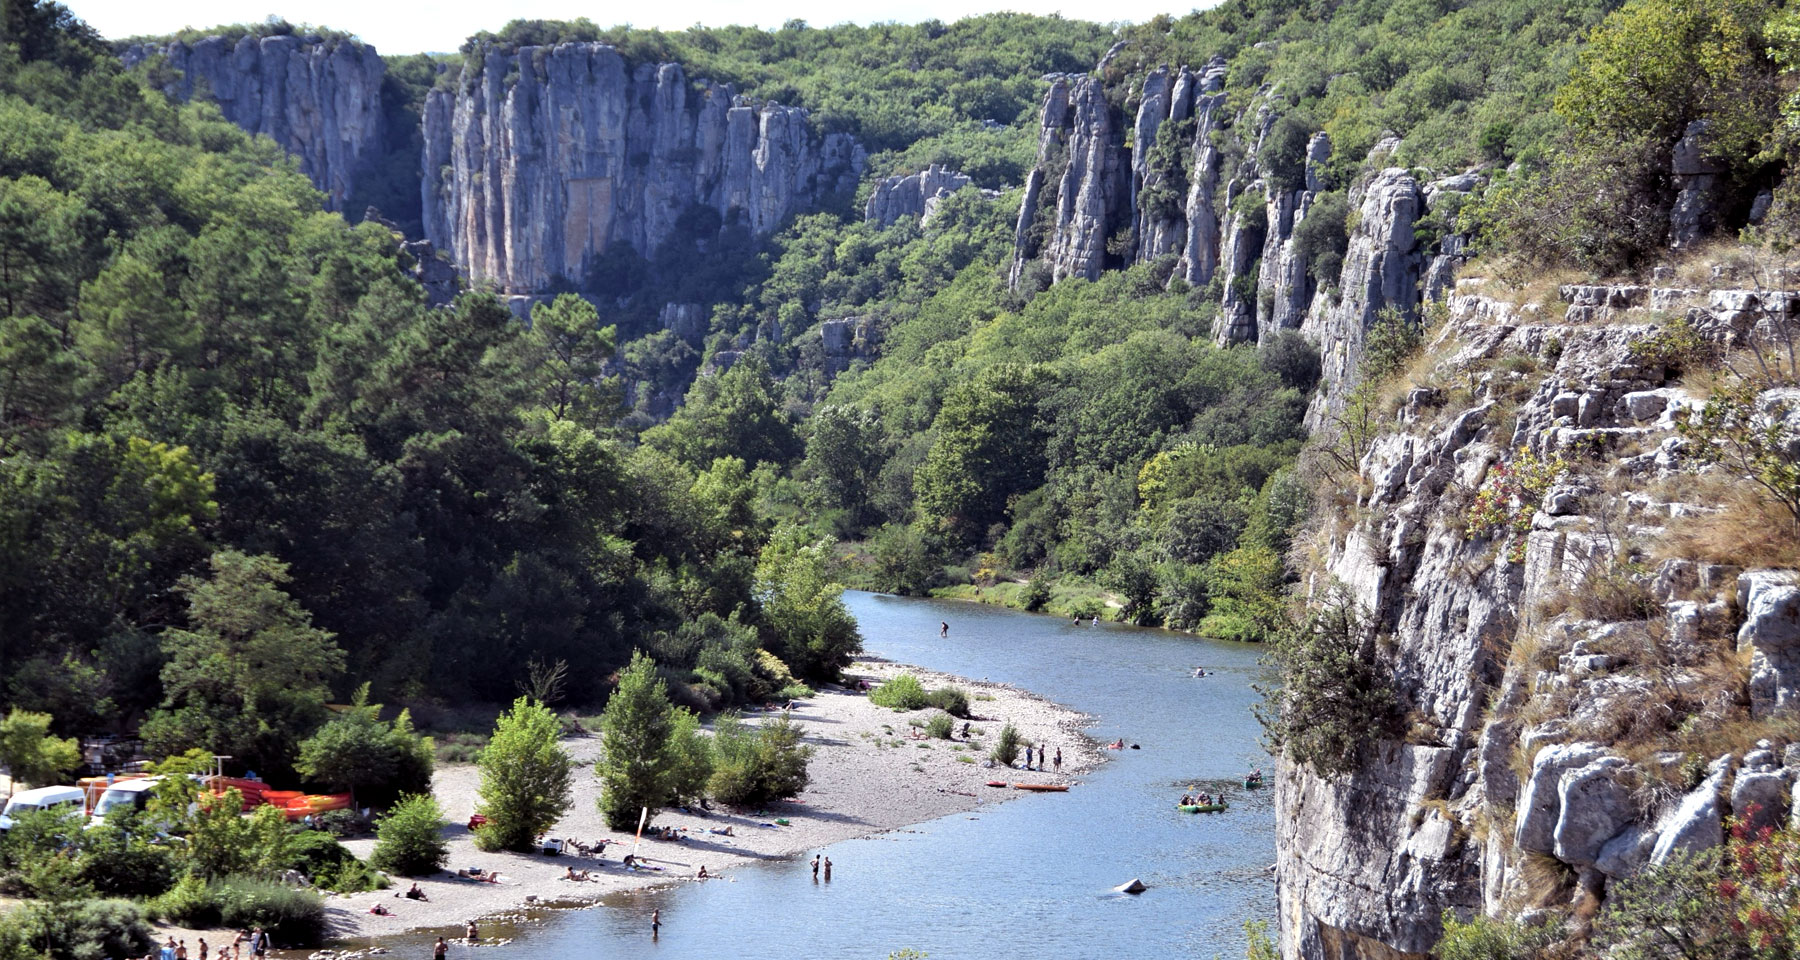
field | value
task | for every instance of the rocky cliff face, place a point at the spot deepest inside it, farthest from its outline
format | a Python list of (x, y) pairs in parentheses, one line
[(915, 197), (1105, 195), (1552, 731), (319, 99), (548, 157)]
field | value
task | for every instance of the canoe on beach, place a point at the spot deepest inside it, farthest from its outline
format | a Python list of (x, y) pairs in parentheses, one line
[(1042, 787)]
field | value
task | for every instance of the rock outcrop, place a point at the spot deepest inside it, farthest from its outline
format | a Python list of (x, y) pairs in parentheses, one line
[(320, 99), (914, 197), (1529, 710), (542, 159), (1381, 271)]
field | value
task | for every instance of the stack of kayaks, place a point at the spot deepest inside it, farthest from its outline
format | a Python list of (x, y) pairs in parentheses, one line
[(305, 805)]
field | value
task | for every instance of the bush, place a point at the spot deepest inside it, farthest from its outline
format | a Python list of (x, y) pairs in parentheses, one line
[(1035, 594), (343, 823), (951, 700), (1486, 939), (329, 865), (1333, 696), (940, 726), (294, 918), (410, 840), (756, 766), (90, 929), (525, 777), (357, 751), (904, 692), (794, 691), (1006, 746), (191, 903)]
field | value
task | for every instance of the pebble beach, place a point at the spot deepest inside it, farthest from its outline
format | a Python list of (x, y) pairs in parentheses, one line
[(871, 772)]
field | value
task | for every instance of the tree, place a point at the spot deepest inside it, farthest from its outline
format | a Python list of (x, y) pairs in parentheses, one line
[(410, 840), (990, 446), (757, 765), (249, 678), (736, 413), (803, 608), (30, 754), (1333, 696), (356, 750), (638, 769), (569, 354), (525, 777)]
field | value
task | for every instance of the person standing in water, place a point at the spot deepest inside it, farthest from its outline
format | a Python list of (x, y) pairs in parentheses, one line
[(943, 628), (1058, 759), (827, 869), (656, 924), (815, 866), (440, 950)]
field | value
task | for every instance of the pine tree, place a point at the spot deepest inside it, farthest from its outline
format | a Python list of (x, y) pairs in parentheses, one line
[(525, 777)]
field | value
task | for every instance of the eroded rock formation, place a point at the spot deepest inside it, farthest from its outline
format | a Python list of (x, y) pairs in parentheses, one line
[(914, 197), (319, 99), (1513, 736), (545, 158)]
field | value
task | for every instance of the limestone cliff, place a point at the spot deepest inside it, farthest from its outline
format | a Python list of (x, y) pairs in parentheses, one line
[(1571, 688), (544, 158), (914, 197), (319, 99)]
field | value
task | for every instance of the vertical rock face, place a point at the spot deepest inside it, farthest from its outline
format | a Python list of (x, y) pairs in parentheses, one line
[(319, 99), (1697, 187), (1381, 270), (541, 162), (915, 197), (1517, 742), (1093, 198)]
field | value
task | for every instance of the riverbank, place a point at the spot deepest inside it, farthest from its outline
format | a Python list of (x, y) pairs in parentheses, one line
[(869, 775)]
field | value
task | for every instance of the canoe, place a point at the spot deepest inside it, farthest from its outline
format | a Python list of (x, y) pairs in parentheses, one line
[(1251, 783), (1041, 787), (996, 783), (313, 803), (1200, 807)]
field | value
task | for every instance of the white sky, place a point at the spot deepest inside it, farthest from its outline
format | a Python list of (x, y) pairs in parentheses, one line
[(416, 27)]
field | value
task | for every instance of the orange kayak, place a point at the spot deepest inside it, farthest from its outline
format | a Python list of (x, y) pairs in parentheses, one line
[(1042, 787), (313, 803)]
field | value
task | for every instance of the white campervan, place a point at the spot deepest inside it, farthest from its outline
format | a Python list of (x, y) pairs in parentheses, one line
[(133, 794), (41, 798)]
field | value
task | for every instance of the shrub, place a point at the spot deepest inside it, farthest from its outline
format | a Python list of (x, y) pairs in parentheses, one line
[(1035, 594), (294, 918), (940, 726), (524, 777), (904, 692), (1333, 695), (89, 929), (329, 865), (755, 766), (343, 823), (1006, 746), (794, 691), (1482, 938), (115, 865), (951, 700), (191, 903), (356, 750), (410, 839)]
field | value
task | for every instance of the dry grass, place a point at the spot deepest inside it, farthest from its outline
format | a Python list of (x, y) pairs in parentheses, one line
[(1747, 531), (1545, 880)]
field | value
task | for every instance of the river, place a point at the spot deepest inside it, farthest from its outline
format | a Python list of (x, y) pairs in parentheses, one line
[(1030, 878)]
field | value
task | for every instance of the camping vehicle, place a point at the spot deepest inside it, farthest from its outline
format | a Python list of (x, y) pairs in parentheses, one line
[(41, 798), (133, 794)]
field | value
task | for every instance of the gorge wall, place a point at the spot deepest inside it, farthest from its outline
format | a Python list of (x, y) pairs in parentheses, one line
[(542, 159), (1572, 704), (320, 99)]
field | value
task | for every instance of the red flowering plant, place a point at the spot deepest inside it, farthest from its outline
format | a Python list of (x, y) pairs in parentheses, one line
[(1509, 496)]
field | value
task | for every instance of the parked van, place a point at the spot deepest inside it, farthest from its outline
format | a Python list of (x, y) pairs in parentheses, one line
[(131, 794), (41, 798)]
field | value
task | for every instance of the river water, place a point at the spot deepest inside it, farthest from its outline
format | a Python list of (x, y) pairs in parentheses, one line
[(1030, 878)]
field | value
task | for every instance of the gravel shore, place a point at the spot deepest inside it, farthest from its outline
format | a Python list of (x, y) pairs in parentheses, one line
[(868, 776)]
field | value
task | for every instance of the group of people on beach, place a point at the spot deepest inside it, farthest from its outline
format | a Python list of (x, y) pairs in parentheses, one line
[(1043, 760), (253, 940)]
